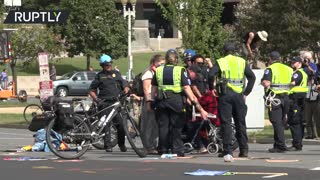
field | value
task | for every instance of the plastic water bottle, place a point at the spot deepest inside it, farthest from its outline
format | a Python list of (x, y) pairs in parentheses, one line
[(168, 156), (101, 121)]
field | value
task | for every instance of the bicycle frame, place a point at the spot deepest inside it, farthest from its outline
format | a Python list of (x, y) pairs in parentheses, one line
[(115, 110)]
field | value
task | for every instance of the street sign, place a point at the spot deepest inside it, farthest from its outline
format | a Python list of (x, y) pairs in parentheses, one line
[(45, 84)]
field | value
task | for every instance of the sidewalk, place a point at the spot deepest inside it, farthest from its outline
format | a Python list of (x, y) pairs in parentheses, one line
[(11, 110)]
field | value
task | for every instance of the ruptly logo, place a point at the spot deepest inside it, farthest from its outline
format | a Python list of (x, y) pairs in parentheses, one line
[(37, 17)]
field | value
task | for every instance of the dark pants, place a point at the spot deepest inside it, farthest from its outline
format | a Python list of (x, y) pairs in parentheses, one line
[(232, 105), (277, 116), (149, 128), (117, 121), (295, 119), (170, 128)]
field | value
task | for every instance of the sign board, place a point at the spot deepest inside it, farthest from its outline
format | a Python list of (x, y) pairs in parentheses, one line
[(255, 103), (45, 84)]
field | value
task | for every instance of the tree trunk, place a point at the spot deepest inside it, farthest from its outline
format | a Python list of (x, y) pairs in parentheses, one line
[(14, 76), (88, 61)]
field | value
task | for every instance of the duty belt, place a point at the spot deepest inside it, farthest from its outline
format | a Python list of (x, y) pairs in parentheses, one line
[(280, 86), (235, 82)]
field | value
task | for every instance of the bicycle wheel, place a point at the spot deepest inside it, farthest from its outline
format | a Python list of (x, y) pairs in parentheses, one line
[(114, 139), (132, 132), (68, 144), (31, 111)]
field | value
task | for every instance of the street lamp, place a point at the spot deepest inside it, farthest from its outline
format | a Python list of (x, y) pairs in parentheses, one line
[(128, 13)]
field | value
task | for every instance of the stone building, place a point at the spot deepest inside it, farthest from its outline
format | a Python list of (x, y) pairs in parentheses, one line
[(149, 24)]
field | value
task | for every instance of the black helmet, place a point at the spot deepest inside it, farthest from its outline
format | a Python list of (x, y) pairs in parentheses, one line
[(171, 51)]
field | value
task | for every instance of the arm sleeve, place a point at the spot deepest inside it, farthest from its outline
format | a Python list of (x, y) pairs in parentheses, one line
[(267, 75), (123, 82), (95, 83), (211, 75), (185, 80), (251, 80), (297, 78)]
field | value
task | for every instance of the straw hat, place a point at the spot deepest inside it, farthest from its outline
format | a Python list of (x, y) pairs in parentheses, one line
[(263, 35)]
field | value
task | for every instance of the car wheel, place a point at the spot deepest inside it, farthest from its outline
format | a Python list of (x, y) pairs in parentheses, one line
[(22, 96), (62, 92)]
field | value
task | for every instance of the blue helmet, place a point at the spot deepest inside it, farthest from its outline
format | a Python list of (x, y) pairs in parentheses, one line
[(188, 53), (105, 60), (171, 51)]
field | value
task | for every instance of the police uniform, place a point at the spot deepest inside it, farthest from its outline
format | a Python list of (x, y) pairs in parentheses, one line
[(232, 71), (279, 76), (110, 84), (295, 116), (170, 109)]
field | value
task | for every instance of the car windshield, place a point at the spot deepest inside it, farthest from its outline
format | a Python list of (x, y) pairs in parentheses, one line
[(66, 76)]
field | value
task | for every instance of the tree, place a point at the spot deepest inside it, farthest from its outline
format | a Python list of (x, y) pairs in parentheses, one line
[(199, 23), (28, 42), (291, 24), (93, 27), (40, 4)]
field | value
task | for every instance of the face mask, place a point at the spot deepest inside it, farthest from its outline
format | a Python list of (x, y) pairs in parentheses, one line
[(159, 65)]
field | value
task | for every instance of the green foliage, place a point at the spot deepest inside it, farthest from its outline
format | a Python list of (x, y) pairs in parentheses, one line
[(291, 24), (199, 23), (28, 42), (93, 27), (65, 65), (39, 4)]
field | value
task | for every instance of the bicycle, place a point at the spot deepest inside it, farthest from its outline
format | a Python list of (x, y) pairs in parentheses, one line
[(30, 111), (72, 143), (83, 110)]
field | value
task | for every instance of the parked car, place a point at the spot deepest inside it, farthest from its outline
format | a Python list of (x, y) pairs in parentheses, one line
[(73, 83)]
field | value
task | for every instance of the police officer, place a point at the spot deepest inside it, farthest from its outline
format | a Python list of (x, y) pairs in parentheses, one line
[(276, 81), (170, 83), (232, 71), (110, 85), (187, 55), (297, 96)]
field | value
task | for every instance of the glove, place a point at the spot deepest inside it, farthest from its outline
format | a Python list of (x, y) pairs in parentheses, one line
[(153, 105), (98, 101)]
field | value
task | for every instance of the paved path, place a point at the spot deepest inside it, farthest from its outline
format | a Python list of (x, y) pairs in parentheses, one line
[(97, 164), (11, 110)]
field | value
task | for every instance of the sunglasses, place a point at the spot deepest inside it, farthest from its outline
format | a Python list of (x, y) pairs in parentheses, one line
[(200, 63), (107, 64)]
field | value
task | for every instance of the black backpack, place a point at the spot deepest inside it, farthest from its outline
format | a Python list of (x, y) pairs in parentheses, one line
[(137, 85)]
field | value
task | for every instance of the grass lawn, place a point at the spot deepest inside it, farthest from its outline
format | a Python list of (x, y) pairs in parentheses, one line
[(267, 132), (13, 104), (65, 65), (12, 120)]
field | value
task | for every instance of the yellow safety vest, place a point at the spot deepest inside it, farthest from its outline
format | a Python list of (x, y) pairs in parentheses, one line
[(302, 87), (281, 78), (232, 68), (176, 87)]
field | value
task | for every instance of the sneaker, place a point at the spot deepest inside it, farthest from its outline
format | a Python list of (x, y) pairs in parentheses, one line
[(202, 150), (310, 137), (293, 148), (276, 150), (108, 149), (243, 154), (123, 148), (228, 158), (220, 155), (152, 151), (180, 154)]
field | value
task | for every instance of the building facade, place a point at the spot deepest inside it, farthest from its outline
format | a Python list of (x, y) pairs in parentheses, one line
[(150, 23)]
